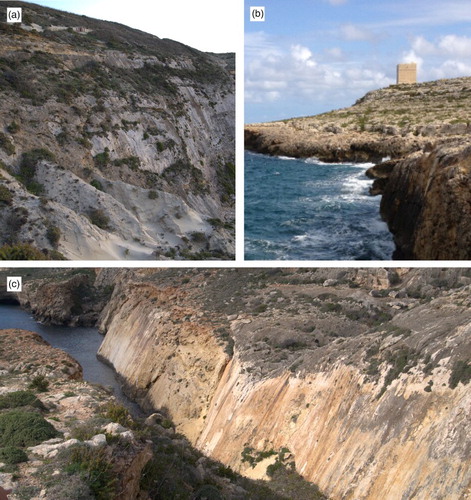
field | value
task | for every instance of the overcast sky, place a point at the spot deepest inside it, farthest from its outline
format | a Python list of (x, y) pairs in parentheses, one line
[(311, 56), (208, 25)]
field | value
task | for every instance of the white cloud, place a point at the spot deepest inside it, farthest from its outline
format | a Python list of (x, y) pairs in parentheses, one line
[(458, 46), (423, 46), (448, 56), (335, 54), (297, 74), (337, 2), (303, 55)]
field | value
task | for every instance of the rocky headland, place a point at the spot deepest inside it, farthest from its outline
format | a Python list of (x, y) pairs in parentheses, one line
[(356, 379), (114, 144), (419, 137)]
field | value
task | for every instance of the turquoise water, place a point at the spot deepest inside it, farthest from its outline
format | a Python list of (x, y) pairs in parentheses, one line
[(303, 209)]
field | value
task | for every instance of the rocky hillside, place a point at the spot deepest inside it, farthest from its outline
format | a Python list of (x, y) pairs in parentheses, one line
[(65, 439), (115, 144), (422, 132), (358, 379)]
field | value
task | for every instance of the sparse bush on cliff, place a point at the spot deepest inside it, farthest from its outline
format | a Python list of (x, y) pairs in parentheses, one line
[(95, 468), (117, 413), (53, 234), (99, 218), (27, 170), (102, 159), (21, 251), (39, 383), (97, 184), (6, 144), (5, 196), (13, 128)]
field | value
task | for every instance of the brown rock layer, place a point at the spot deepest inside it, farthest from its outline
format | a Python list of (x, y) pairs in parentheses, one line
[(427, 204)]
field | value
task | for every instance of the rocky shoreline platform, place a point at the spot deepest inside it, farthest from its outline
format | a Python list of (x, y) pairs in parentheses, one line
[(419, 137)]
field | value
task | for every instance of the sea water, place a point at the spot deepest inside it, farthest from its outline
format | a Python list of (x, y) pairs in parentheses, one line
[(304, 209)]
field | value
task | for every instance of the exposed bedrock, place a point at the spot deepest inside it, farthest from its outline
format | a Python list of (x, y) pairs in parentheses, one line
[(352, 372), (427, 204)]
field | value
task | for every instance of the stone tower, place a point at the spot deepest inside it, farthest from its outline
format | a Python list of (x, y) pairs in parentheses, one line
[(407, 73)]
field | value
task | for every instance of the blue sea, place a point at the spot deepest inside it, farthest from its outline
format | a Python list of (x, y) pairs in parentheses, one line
[(304, 209)]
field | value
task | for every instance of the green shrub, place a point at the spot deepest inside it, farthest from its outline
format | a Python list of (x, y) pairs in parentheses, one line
[(198, 237), (153, 195), (13, 128), (117, 413), (53, 234), (133, 162), (21, 251), (102, 159), (97, 184), (5, 195), (27, 171), (21, 428), (12, 455), (39, 383), (85, 431), (99, 218), (226, 179), (19, 398)]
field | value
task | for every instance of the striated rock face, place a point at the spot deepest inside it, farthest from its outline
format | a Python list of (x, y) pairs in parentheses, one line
[(362, 375), (114, 144), (165, 350), (427, 204)]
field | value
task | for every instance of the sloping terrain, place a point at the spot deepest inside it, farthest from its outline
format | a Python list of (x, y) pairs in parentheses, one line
[(115, 144), (419, 137), (358, 379), (86, 445)]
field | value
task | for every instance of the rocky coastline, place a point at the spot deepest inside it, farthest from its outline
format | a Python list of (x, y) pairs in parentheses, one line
[(419, 138)]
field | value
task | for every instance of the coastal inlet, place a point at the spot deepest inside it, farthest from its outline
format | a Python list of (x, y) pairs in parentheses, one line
[(304, 209)]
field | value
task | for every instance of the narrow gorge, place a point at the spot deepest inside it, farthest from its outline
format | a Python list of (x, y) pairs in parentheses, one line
[(356, 379)]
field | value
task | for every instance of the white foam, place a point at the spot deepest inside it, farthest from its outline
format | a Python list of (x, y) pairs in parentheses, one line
[(285, 158)]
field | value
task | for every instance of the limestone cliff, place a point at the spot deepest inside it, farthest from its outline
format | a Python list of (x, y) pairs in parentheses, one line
[(361, 375), (422, 132), (114, 144)]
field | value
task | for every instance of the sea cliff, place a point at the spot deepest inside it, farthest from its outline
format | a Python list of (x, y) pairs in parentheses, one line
[(420, 131)]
